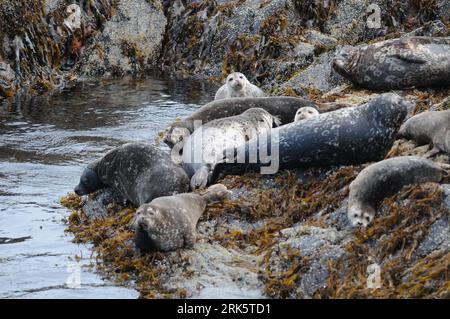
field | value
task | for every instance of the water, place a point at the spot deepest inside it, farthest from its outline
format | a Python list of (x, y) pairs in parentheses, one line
[(44, 146)]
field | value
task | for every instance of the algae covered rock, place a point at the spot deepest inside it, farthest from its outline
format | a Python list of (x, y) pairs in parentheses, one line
[(130, 41)]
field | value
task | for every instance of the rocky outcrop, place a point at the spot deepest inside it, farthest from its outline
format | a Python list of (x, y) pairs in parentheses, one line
[(48, 44)]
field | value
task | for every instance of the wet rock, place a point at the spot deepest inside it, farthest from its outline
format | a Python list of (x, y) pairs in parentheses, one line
[(318, 76), (129, 43), (7, 77), (101, 204), (438, 237)]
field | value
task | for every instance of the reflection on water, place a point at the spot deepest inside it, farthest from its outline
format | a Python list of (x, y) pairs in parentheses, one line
[(44, 145)]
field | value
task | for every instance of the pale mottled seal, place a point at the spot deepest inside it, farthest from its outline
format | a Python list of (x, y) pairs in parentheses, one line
[(397, 64), (202, 148), (305, 113), (283, 107), (237, 85), (429, 127), (169, 222), (384, 179), (346, 136), (137, 171)]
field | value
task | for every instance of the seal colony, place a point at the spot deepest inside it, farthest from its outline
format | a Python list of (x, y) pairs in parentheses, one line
[(240, 121), (283, 107)]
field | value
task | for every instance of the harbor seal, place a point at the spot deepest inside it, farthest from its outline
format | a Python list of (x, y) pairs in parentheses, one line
[(384, 179), (169, 222), (203, 147), (237, 85), (305, 112), (283, 107), (429, 127), (397, 64), (139, 172), (346, 136)]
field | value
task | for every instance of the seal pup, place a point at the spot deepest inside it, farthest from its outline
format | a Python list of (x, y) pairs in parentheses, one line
[(169, 222), (384, 179), (283, 107), (397, 64), (139, 172), (346, 136), (203, 147), (429, 127), (237, 85), (305, 112)]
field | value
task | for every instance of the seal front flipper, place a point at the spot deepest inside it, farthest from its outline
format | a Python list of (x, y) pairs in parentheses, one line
[(411, 57), (201, 177)]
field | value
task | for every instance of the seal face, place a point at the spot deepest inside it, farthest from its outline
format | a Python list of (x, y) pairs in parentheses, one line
[(237, 85), (346, 136), (169, 222), (395, 64), (384, 179), (305, 113), (429, 127), (283, 107), (204, 146), (139, 172)]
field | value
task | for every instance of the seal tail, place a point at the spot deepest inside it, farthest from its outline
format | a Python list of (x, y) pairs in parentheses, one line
[(215, 193)]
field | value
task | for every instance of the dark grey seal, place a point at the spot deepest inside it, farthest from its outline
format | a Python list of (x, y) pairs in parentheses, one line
[(346, 136), (169, 222), (282, 107), (397, 64), (139, 172), (384, 179), (429, 127)]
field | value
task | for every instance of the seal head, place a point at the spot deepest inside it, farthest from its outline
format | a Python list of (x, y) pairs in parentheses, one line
[(305, 112), (89, 182)]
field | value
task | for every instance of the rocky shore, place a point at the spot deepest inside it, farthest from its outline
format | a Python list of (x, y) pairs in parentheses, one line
[(283, 236)]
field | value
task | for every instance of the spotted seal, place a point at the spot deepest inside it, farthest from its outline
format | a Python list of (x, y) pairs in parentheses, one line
[(206, 143), (237, 85), (429, 127), (169, 222), (351, 135), (407, 62), (139, 172), (384, 179), (305, 112)]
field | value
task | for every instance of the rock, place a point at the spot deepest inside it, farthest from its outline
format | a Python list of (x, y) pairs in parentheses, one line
[(99, 205), (320, 40), (7, 77), (318, 76), (130, 42), (438, 237), (430, 29)]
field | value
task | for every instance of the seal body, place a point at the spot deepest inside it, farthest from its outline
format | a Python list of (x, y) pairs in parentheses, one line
[(169, 222), (351, 135), (384, 179), (204, 146), (283, 107), (429, 127), (237, 85), (305, 113), (397, 64), (139, 172)]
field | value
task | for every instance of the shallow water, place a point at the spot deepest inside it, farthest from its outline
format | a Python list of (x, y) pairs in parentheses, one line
[(44, 145)]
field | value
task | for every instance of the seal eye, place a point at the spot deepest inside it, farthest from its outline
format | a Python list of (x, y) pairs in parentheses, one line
[(230, 79), (241, 77), (368, 218), (355, 215)]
